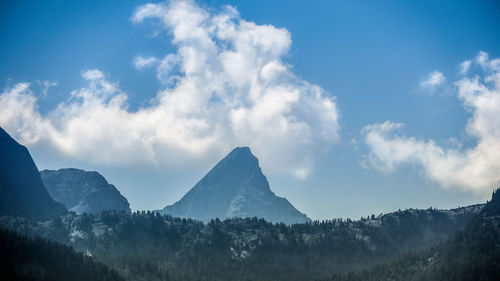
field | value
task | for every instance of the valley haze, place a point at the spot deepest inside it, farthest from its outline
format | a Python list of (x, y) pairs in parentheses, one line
[(225, 140)]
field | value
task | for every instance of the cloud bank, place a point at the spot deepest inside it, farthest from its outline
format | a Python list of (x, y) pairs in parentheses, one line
[(226, 86), (476, 168)]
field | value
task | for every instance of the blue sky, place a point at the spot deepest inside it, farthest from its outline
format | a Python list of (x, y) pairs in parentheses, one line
[(370, 60)]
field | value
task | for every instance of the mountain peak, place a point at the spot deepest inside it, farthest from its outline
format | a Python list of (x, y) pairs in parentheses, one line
[(240, 156), (83, 192), (238, 164), (21, 188), (235, 187), (241, 151)]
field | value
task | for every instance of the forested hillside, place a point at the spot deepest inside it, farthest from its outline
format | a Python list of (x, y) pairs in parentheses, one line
[(24, 258), (150, 246), (471, 254)]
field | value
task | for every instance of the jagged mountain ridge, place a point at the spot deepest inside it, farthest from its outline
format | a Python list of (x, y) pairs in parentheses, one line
[(22, 191), (83, 191), (235, 187)]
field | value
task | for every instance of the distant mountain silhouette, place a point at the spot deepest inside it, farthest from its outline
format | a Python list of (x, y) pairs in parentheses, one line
[(21, 188), (83, 192), (235, 187)]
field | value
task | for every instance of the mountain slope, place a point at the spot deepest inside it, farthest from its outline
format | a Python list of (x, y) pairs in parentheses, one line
[(235, 187), (21, 188), (147, 244), (470, 254), (26, 258), (83, 192)]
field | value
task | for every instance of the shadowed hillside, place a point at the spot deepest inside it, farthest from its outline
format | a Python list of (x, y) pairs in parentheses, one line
[(27, 259), (22, 192)]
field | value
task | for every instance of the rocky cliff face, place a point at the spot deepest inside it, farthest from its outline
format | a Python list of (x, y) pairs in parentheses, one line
[(235, 187), (22, 192), (83, 192)]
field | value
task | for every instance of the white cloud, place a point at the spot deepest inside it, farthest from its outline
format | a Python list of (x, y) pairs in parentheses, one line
[(482, 59), (433, 80), (489, 65), (141, 62), (226, 86), (167, 68), (93, 74), (464, 67), (46, 85), (474, 168), (146, 11)]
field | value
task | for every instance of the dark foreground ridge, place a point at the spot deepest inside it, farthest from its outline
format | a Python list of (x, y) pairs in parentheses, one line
[(24, 258), (22, 192), (235, 187)]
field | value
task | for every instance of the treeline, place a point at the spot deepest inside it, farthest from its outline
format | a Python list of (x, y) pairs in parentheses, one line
[(24, 258), (150, 246), (251, 248), (471, 254)]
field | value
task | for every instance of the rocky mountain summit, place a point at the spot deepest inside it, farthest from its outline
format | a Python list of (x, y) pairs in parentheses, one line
[(83, 192), (235, 187), (22, 192)]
